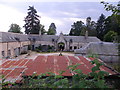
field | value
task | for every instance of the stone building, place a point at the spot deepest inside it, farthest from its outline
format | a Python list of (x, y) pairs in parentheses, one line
[(13, 44), (106, 51)]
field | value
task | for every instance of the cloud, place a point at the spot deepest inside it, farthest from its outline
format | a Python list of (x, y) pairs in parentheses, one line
[(8, 16), (46, 21), (67, 14), (67, 22), (63, 24), (77, 19), (62, 14), (59, 0)]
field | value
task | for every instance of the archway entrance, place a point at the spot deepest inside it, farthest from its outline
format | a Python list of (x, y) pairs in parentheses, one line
[(61, 46)]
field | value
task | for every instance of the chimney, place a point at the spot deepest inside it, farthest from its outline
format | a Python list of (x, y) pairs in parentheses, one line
[(40, 32), (86, 34)]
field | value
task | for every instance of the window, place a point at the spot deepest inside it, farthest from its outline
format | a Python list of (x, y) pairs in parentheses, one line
[(71, 40), (9, 53), (75, 47), (70, 47), (3, 53)]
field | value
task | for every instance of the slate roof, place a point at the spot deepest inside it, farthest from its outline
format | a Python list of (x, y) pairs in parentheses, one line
[(12, 37), (82, 39), (36, 37), (105, 48), (48, 37), (67, 38)]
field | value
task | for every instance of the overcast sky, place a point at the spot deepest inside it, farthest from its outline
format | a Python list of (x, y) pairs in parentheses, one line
[(60, 12)]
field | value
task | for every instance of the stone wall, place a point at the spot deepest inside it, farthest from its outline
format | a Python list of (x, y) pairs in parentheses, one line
[(11, 49)]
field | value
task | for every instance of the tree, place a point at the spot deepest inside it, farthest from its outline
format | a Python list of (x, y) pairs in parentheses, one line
[(113, 23), (100, 27), (116, 11), (88, 21), (109, 37), (79, 28), (14, 28), (52, 29), (109, 7), (42, 29), (83, 31), (90, 27), (32, 23), (76, 28)]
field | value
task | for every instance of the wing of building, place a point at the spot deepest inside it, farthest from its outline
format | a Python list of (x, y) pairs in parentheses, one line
[(13, 44), (106, 51)]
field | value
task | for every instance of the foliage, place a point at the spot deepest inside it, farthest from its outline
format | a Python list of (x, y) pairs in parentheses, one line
[(116, 66), (79, 28), (111, 7), (100, 27), (51, 32), (52, 29), (45, 48), (116, 14), (88, 21), (5, 84), (32, 23), (42, 29), (83, 31), (109, 37), (14, 28), (112, 23), (76, 28), (119, 48), (90, 27)]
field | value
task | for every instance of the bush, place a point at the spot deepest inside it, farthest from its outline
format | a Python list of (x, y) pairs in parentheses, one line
[(109, 37)]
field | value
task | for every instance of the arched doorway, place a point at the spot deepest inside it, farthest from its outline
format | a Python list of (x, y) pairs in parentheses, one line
[(61, 46)]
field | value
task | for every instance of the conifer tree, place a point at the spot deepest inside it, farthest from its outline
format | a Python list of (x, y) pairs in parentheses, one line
[(52, 29), (32, 23), (100, 27)]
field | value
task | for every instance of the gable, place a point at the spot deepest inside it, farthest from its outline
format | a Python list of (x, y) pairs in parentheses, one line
[(61, 39)]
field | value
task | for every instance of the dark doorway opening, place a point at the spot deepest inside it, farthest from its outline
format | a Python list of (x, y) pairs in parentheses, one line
[(61, 46), (33, 47)]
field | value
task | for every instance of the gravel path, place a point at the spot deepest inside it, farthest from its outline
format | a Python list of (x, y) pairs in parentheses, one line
[(33, 55)]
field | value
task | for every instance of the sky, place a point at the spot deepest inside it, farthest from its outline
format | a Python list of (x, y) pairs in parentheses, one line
[(61, 12)]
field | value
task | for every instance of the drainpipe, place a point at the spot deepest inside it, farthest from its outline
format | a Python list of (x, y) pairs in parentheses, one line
[(20, 47), (7, 49)]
